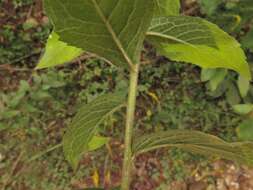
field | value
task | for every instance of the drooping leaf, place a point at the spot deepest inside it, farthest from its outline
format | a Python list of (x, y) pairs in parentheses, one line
[(196, 142), (112, 29), (243, 109), (245, 130), (194, 40), (57, 53), (78, 138), (243, 85), (167, 7)]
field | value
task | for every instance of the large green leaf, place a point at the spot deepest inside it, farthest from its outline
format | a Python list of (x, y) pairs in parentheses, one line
[(196, 142), (57, 53), (82, 129), (112, 29), (247, 41), (194, 40), (167, 7)]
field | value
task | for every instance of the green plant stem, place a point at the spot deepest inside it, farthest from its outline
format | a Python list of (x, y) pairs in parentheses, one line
[(127, 162)]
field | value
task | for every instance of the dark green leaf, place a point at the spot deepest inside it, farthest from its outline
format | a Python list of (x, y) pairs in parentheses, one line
[(247, 41), (167, 7), (245, 130), (196, 142), (112, 29), (84, 126)]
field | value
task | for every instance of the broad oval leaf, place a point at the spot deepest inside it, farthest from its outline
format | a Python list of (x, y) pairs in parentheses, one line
[(196, 142), (57, 52), (83, 128), (112, 29), (194, 40), (167, 7)]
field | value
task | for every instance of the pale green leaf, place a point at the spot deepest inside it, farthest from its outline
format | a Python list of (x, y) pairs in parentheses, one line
[(167, 7), (243, 85), (112, 29), (57, 53), (194, 40), (207, 74), (245, 130), (218, 78), (84, 126), (243, 109), (196, 142), (97, 141)]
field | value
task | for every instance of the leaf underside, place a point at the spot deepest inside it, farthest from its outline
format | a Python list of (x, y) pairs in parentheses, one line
[(112, 29), (167, 7), (84, 126), (195, 40), (196, 142)]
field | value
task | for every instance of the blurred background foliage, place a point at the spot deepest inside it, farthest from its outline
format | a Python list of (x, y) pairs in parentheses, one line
[(36, 106)]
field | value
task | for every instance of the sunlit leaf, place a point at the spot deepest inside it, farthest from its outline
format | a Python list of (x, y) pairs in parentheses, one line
[(57, 53), (194, 40), (243, 109)]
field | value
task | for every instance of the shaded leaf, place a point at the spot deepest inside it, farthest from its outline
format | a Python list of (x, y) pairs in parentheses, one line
[(114, 30), (247, 41), (232, 94), (57, 53), (196, 142), (84, 126), (194, 40), (217, 77), (209, 7), (245, 130), (167, 7), (243, 109)]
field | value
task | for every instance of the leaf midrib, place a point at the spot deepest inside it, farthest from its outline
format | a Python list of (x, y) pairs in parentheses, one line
[(169, 37), (113, 34)]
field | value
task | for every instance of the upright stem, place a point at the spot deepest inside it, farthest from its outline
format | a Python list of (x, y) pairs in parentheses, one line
[(127, 163)]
